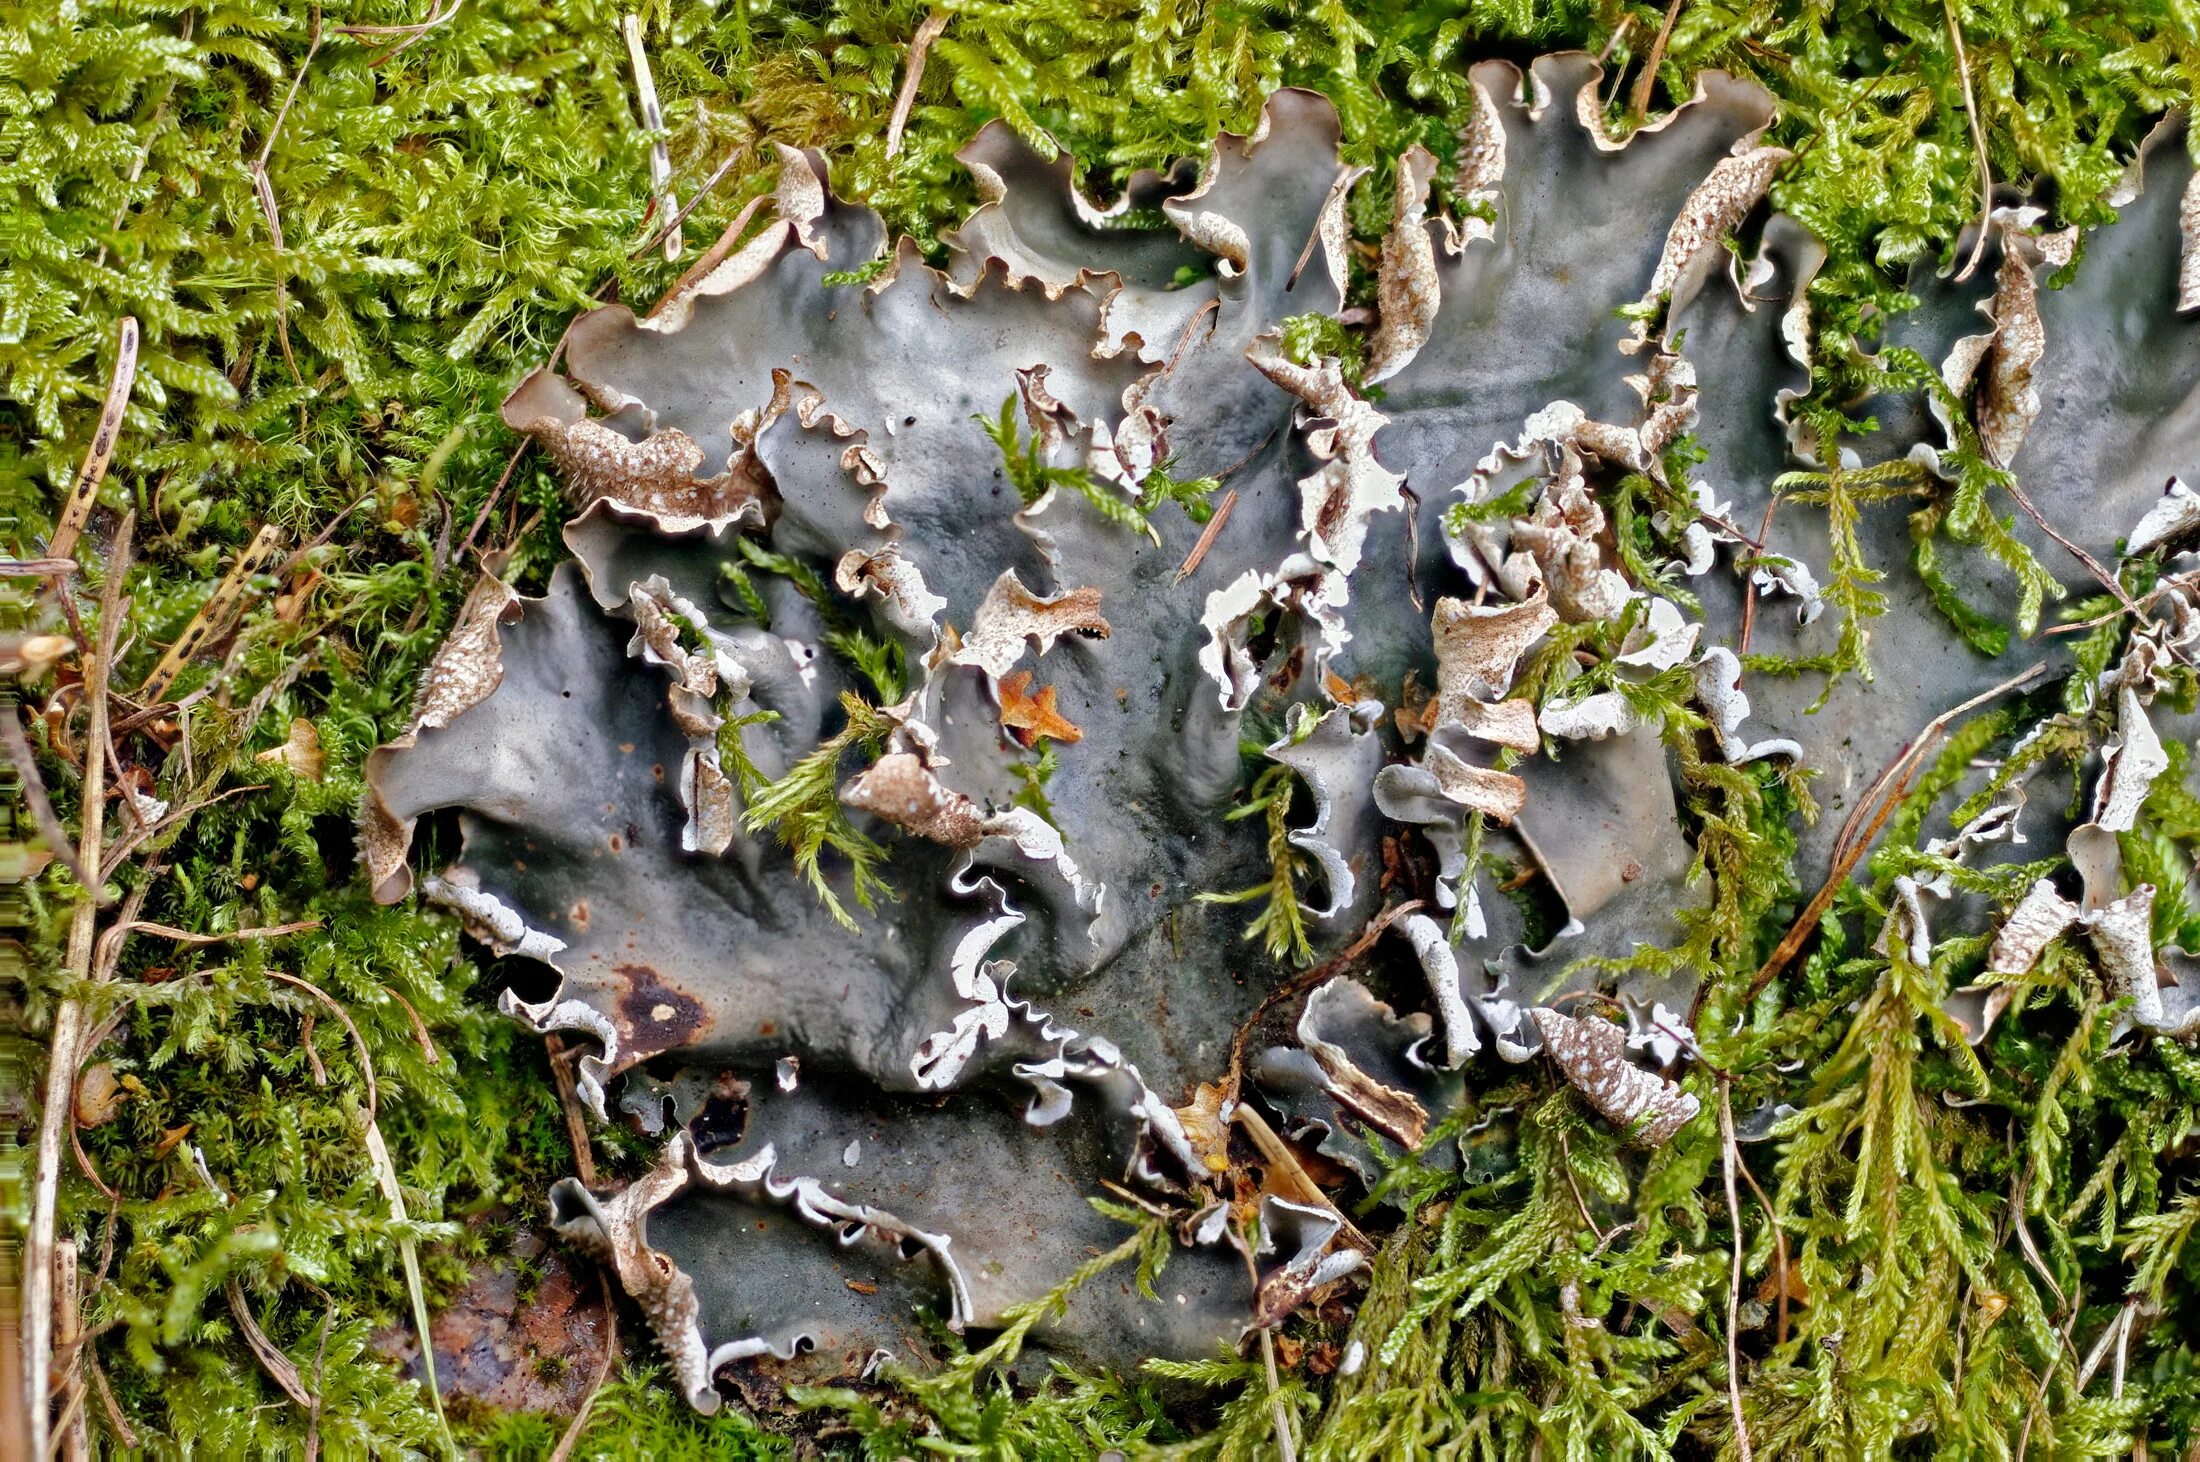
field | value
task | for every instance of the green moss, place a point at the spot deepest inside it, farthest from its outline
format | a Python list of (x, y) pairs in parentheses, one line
[(447, 207)]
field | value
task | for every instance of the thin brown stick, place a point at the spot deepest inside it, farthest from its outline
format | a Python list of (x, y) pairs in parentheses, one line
[(279, 1367), (1207, 536), (1346, 174), (412, 34), (264, 188), (366, 1063), (428, 1052), (1286, 1449), (1307, 979), (320, 1362), (1638, 104), (70, 1441), (912, 76), (653, 120), (58, 1111), (145, 152), (728, 238), (176, 817), (1732, 1156), (569, 1102), (1779, 1254), (313, 47), (78, 509), (124, 928), (488, 504), (2093, 565), (1749, 580), (1289, 1179), (1978, 144), (1845, 860), (579, 1423), (26, 568), (717, 176), (84, 1162), (436, 16), (33, 790), (116, 1421), (212, 617)]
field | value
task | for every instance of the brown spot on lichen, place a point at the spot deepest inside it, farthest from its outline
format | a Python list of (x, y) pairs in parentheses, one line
[(655, 1016)]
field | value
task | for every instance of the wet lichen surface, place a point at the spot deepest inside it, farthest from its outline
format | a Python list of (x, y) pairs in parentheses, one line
[(978, 692), (1046, 730)]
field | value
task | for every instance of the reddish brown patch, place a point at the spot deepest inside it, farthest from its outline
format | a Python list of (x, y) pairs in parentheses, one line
[(656, 1016), (515, 1340), (579, 915)]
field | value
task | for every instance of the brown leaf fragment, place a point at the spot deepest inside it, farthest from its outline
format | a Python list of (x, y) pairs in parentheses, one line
[(2040, 916), (1994, 371), (1032, 718), (1592, 1054), (900, 788), (301, 753), (170, 1139), (98, 1095), (1012, 614), (1206, 1122)]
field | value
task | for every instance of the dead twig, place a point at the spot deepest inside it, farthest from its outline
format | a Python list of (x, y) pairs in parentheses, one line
[(912, 75), (1286, 1448), (1749, 581), (58, 1111), (1978, 144), (1207, 536), (110, 942), (78, 509), (1307, 979), (579, 1423), (428, 1052), (69, 1440), (569, 1102), (33, 790), (320, 1362), (1732, 1159), (279, 1367), (412, 35), (728, 238), (1845, 857), (213, 616), (1638, 104), (653, 120), (2093, 565), (116, 1421), (1779, 1253), (717, 176), (264, 189)]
